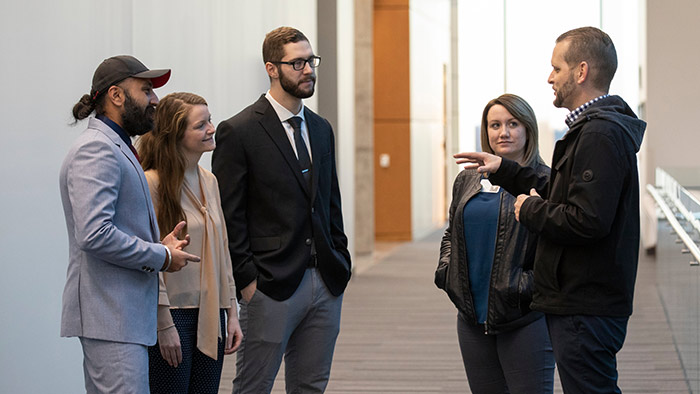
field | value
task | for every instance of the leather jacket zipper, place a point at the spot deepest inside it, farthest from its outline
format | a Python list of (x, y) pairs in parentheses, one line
[(493, 261)]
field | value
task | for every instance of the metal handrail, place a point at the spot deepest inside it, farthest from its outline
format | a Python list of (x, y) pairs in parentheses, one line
[(673, 191), (675, 224), (689, 216)]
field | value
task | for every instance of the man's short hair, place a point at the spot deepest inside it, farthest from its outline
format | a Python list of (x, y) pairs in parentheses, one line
[(595, 47), (273, 46)]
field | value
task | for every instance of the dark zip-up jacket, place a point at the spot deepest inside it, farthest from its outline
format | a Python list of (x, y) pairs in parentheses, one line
[(510, 288), (588, 218)]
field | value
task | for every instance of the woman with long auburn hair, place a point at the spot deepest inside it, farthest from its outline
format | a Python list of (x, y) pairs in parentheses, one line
[(193, 331)]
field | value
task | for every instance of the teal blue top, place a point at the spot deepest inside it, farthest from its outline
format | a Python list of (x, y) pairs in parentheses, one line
[(480, 230)]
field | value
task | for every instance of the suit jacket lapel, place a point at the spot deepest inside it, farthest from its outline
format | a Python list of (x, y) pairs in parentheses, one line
[(137, 167), (313, 126), (270, 122)]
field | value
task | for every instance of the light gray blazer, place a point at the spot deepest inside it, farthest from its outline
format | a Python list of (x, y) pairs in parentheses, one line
[(111, 288)]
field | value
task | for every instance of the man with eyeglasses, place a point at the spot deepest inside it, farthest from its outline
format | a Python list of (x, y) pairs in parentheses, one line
[(275, 163)]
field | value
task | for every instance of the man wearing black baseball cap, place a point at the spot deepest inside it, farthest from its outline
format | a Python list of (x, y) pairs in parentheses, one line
[(129, 81), (115, 251)]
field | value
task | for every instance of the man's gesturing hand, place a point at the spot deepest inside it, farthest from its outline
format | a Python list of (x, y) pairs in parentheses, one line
[(179, 256), (485, 163)]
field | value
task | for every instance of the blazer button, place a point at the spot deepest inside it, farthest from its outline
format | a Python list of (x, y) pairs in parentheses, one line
[(143, 267), (308, 242), (313, 209)]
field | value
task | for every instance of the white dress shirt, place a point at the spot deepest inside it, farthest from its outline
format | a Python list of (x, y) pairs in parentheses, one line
[(284, 114)]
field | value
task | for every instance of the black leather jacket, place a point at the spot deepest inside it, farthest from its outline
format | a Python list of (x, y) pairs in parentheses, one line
[(510, 290)]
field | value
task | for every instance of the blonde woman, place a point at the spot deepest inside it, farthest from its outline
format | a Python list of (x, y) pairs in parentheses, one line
[(486, 265)]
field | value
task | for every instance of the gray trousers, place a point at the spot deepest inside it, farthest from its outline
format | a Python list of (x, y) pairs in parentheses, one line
[(302, 328), (114, 367)]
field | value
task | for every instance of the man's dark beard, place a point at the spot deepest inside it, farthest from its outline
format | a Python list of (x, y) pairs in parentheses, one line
[(294, 89), (136, 120)]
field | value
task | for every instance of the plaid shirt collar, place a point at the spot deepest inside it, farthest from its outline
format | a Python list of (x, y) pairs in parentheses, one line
[(573, 115)]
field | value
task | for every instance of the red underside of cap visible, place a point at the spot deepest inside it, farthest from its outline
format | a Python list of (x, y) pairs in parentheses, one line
[(160, 81)]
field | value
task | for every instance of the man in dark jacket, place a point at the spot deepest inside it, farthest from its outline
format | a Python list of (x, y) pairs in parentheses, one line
[(588, 222)]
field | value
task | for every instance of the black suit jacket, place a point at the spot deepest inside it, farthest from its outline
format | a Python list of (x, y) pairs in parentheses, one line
[(271, 215)]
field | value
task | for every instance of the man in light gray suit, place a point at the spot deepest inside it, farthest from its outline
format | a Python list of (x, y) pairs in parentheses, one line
[(111, 294)]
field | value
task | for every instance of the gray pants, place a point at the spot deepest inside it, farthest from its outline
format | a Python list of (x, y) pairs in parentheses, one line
[(114, 367), (302, 328)]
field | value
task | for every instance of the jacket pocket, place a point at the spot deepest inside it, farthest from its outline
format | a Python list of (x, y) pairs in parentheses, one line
[(441, 276), (525, 285), (264, 244), (547, 265)]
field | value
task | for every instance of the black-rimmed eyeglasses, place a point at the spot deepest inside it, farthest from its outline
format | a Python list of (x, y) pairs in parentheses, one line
[(299, 64)]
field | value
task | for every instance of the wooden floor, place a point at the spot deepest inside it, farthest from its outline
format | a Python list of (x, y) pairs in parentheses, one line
[(398, 332)]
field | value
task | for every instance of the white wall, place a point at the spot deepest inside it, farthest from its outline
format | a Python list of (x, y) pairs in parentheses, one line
[(481, 64), (50, 50), (429, 30), (672, 84), (49, 53), (216, 51)]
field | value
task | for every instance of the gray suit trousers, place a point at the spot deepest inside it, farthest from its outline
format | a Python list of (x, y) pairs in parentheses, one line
[(114, 367), (302, 328)]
